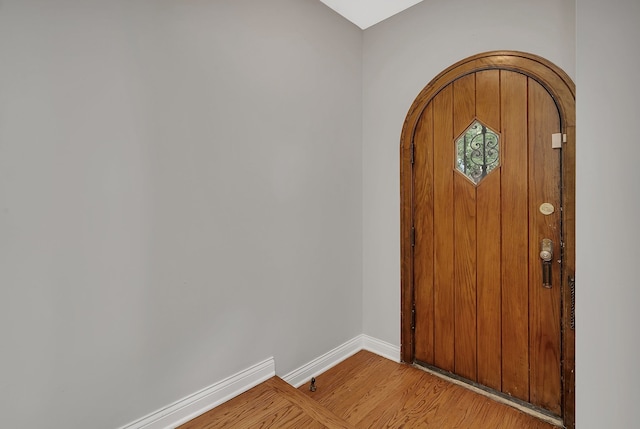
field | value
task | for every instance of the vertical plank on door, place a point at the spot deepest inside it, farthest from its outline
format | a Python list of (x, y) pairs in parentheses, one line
[(544, 303), (465, 277), (443, 217), (423, 250), (488, 98), (464, 104), (489, 242), (464, 239), (515, 248), (489, 276)]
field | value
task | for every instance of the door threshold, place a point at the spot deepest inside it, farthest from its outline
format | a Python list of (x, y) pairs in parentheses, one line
[(492, 394)]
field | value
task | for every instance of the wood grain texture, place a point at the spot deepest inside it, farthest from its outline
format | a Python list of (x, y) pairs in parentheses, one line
[(407, 344), (557, 82), (423, 251), (365, 391), (520, 338), (489, 280), (401, 396), (489, 242), (444, 296), (464, 237), (488, 98), (562, 89), (464, 241), (544, 303), (464, 104), (272, 404), (515, 236)]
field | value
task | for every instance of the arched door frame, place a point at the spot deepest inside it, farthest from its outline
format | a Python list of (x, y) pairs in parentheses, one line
[(562, 90)]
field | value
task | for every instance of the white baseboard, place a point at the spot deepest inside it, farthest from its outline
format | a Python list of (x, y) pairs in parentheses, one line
[(330, 359), (381, 348), (298, 377), (200, 402)]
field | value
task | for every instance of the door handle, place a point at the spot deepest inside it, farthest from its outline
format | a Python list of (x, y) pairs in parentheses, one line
[(546, 255)]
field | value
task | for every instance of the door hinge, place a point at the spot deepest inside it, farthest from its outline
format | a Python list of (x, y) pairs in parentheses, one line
[(413, 317), (572, 291), (412, 152), (413, 236)]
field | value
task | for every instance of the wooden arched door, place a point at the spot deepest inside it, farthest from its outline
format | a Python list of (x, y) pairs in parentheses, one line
[(487, 185)]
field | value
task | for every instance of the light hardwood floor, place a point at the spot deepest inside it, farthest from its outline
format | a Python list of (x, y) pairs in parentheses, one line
[(272, 404), (365, 391)]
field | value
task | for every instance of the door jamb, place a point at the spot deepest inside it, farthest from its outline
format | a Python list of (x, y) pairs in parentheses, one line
[(562, 90)]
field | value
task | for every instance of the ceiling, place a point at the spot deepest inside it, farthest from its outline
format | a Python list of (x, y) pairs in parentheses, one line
[(365, 13)]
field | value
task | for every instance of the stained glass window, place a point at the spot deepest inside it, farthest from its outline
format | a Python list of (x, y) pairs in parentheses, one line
[(477, 152)]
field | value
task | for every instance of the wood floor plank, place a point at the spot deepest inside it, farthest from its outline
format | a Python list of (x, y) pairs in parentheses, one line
[(365, 391), (405, 407), (349, 385), (376, 397), (272, 404), (404, 396), (312, 408), (234, 411)]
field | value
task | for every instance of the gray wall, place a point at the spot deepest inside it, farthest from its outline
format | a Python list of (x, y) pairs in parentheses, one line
[(180, 198), (608, 212), (401, 55), (183, 188)]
